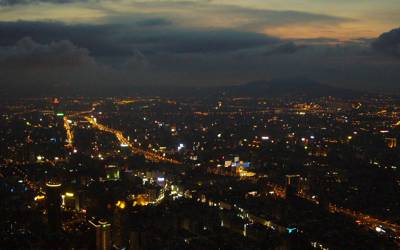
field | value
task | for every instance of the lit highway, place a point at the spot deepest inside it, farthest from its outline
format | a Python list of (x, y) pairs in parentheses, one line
[(18, 172), (124, 141), (70, 134), (360, 218), (366, 220)]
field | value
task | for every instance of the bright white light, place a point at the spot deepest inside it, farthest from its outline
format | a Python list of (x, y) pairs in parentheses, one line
[(380, 230)]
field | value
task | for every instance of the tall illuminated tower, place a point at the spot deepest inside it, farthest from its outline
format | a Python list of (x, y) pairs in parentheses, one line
[(53, 205), (103, 234)]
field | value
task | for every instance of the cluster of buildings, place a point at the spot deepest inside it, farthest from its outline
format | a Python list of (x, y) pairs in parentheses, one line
[(205, 173)]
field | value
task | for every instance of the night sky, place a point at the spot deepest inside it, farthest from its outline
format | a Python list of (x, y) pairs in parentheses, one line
[(347, 43)]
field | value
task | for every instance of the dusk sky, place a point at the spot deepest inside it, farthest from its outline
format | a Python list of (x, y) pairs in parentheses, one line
[(200, 43)]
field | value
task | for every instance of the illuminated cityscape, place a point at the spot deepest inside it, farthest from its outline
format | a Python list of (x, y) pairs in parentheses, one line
[(215, 173), (199, 125)]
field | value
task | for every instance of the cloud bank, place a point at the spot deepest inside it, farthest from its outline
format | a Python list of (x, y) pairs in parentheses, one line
[(95, 43)]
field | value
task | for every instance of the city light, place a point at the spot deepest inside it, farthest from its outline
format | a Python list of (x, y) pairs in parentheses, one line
[(121, 204), (245, 165), (54, 185), (180, 146), (198, 124), (39, 197), (68, 194), (123, 140)]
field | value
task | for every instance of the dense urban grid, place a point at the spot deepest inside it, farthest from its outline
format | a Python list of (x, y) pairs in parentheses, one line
[(200, 173)]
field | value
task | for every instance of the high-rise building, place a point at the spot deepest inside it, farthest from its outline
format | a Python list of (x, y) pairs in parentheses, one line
[(103, 234), (391, 142), (292, 185), (53, 205), (111, 173), (119, 239), (71, 201)]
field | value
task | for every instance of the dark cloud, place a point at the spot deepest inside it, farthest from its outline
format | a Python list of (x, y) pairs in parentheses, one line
[(28, 54), (136, 61), (159, 53), (31, 67), (100, 39), (207, 41), (388, 43), (285, 48), (119, 40)]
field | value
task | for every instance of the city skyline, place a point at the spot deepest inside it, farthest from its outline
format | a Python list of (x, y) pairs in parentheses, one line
[(199, 124), (224, 171)]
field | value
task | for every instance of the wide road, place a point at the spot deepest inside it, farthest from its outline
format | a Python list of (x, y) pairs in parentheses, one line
[(358, 217), (124, 141), (69, 131)]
